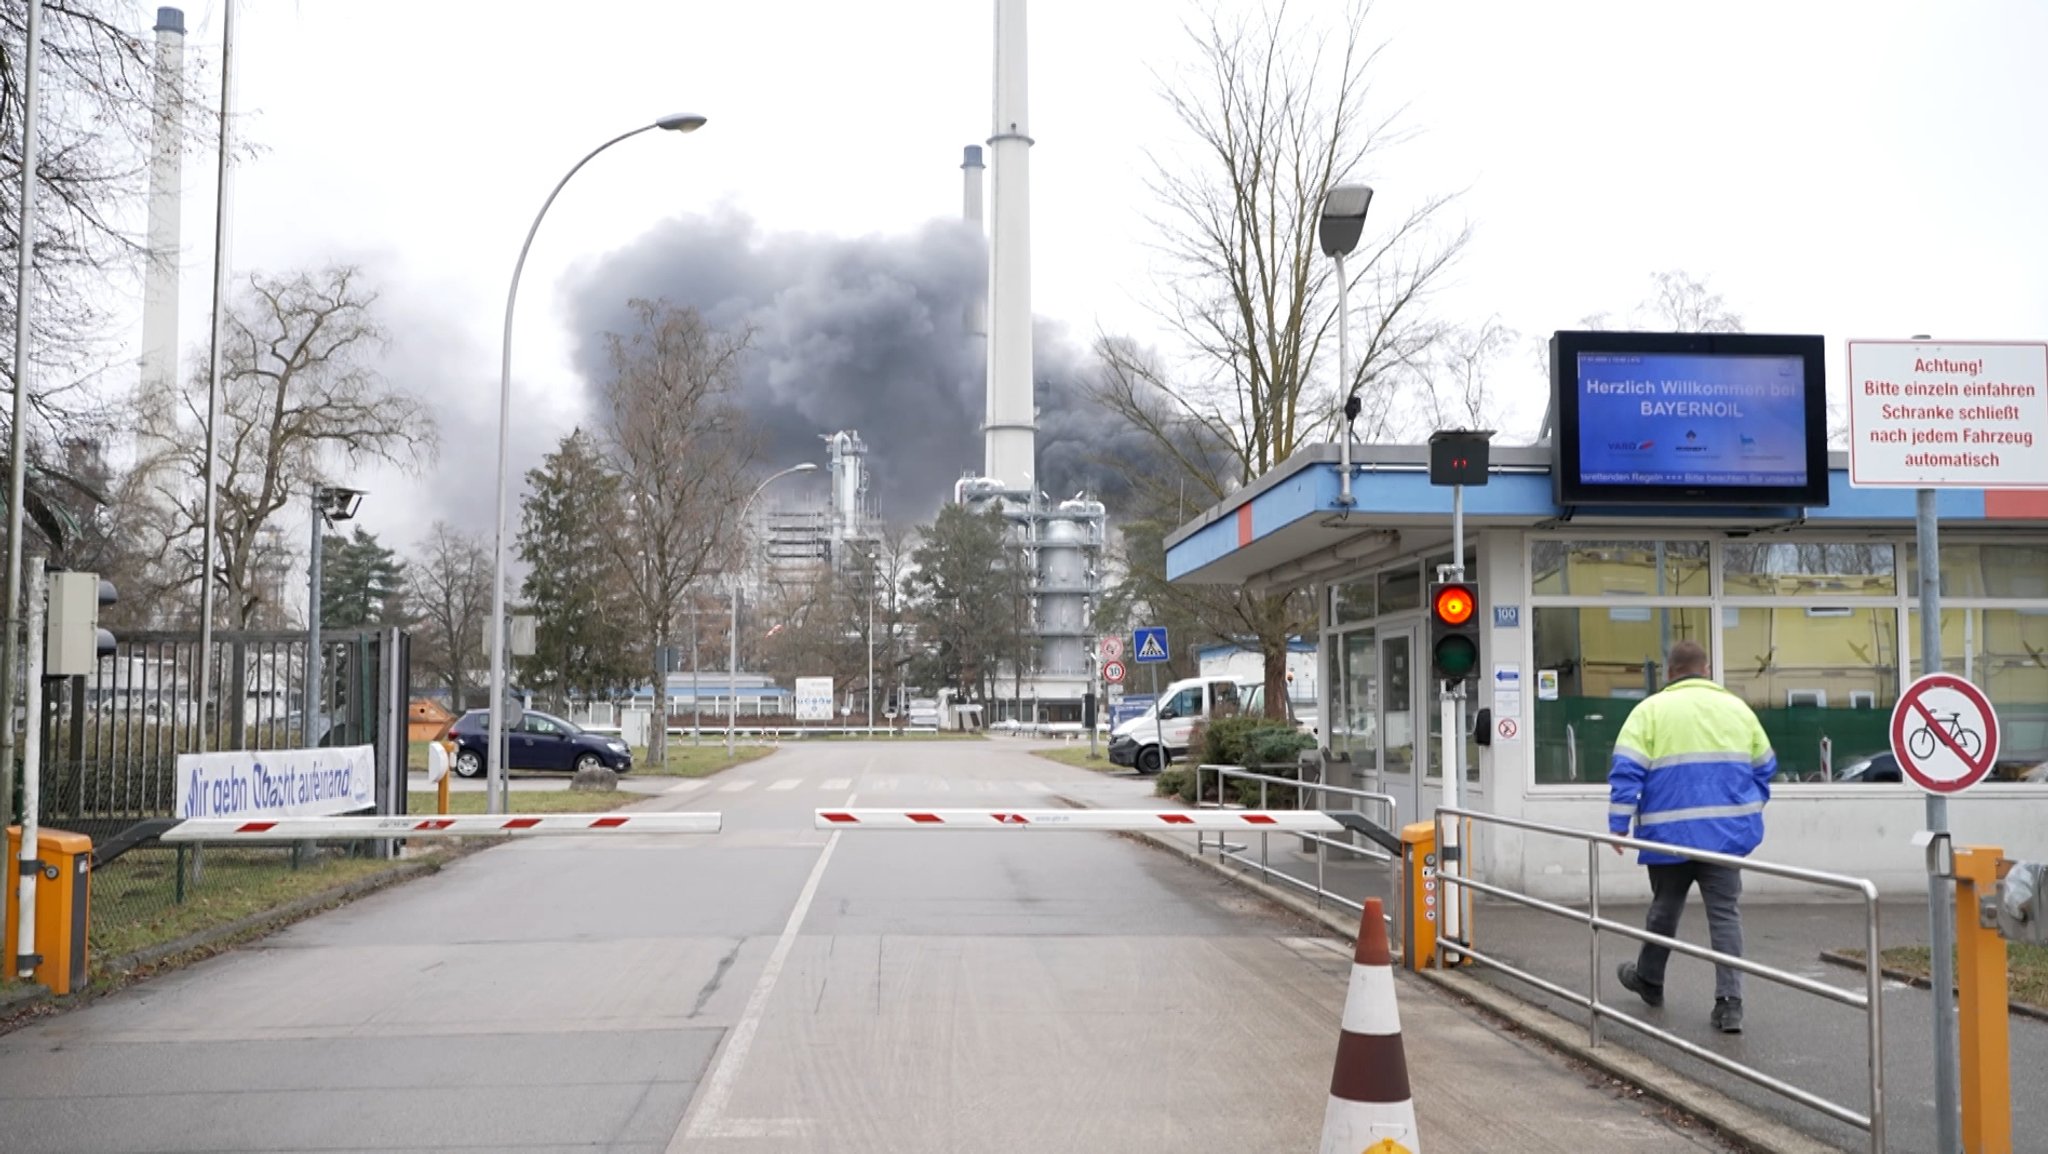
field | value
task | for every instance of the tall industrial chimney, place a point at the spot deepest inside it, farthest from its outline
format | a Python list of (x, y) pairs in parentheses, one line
[(157, 388), (970, 211), (1010, 432)]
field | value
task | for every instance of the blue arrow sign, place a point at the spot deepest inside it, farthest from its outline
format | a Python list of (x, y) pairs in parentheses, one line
[(1149, 645)]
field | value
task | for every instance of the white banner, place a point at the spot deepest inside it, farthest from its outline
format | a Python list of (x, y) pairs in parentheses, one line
[(277, 782), (814, 699)]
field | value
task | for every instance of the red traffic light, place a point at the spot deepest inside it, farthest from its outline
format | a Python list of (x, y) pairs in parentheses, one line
[(1454, 604)]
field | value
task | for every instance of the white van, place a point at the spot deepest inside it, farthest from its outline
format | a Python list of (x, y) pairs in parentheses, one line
[(1155, 737)]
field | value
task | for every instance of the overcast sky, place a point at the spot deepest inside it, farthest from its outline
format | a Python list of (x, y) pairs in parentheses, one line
[(1854, 169)]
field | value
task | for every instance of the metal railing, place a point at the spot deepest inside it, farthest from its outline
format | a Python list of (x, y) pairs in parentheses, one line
[(1381, 812), (1870, 1000)]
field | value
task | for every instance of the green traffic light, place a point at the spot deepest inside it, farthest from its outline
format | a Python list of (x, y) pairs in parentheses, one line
[(1455, 657)]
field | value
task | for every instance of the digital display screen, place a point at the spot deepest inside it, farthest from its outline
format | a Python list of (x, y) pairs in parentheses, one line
[(1686, 419), (1689, 419)]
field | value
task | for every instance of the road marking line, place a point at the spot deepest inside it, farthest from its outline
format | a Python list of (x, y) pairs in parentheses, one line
[(1034, 787), (702, 1120), (686, 786), (735, 786), (835, 784), (785, 785)]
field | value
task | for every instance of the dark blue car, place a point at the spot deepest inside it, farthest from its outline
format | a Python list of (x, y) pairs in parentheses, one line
[(539, 741)]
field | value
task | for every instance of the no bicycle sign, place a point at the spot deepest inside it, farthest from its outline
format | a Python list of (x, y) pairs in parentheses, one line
[(1944, 733)]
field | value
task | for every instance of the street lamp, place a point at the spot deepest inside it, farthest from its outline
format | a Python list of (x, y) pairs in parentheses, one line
[(494, 758), (331, 503), (732, 660), (1343, 221)]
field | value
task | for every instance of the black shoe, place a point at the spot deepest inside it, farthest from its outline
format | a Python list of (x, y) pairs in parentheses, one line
[(1728, 1015), (1633, 982)]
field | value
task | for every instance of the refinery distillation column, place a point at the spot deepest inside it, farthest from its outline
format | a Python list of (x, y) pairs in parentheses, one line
[(1009, 435)]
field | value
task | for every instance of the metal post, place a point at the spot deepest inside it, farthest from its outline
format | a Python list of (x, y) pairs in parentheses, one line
[(732, 668), (1344, 497), (871, 645), (1593, 950), (1100, 690), (17, 469), (211, 500), (1450, 850), (314, 665), (1159, 734), (31, 775), (696, 697), (1873, 994), (1940, 899)]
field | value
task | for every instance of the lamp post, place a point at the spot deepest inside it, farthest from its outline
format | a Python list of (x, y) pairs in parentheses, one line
[(330, 503), (494, 758), (1343, 221), (732, 660)]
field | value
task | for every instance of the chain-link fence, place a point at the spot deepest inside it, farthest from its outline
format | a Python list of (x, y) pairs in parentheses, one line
[(152, 897), (111, 743)]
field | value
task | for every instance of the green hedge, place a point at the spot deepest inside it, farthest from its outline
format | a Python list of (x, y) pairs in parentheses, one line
[(1251, 742)]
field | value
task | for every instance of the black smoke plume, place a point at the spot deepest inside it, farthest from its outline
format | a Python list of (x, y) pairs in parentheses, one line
[(860, 333)]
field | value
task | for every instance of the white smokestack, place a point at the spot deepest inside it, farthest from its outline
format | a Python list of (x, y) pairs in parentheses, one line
[(1011, 428), (970, 211), (159, 379)]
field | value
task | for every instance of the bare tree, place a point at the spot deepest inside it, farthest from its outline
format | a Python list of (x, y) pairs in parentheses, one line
[(1459, 386), (94, 126), (450, 587), (300, 394), (1677, 302), (679, 449), (1277, 113)]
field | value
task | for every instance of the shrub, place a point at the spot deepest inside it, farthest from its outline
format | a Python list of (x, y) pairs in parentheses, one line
[(1175, 782), (1250, 742)]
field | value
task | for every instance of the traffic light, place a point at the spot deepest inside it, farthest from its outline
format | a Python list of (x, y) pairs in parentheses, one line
[(73, 640), (1454, 629)]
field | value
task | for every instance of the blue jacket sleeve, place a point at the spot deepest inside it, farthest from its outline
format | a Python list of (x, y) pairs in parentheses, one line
[(1625, 774)]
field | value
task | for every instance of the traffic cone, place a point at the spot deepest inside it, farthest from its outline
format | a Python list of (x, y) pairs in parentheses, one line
[(1371, 1109)]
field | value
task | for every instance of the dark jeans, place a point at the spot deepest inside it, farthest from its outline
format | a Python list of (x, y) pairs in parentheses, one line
[(1720, 889)]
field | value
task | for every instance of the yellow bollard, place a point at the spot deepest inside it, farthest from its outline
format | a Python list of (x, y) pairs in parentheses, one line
[(1419, 903), (1981, 1001), (63, 908)]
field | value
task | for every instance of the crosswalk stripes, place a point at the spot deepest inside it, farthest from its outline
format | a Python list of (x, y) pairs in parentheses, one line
[(736, 786), (837, 784), (785, 785), (686, 786)]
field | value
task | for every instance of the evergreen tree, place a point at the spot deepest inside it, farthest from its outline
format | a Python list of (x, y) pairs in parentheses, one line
[(569, 540), (972, 601), (362, 584)]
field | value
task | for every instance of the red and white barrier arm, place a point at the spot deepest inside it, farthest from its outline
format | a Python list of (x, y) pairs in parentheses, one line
[(231, 829), (1114, 820)]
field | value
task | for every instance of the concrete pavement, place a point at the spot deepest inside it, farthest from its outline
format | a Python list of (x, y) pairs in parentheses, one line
[(775, 988), (1811, 1043)]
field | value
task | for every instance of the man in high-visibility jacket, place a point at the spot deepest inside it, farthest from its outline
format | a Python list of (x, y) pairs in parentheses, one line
[(1692, 767)]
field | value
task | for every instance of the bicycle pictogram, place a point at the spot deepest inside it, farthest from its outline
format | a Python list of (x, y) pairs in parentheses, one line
[(1923, 741), (1944, 733)]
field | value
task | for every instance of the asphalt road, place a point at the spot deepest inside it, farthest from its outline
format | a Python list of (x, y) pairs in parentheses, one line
[(775, 988)]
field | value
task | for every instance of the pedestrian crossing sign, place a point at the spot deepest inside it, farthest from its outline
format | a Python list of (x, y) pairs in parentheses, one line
[(1149, 645)]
